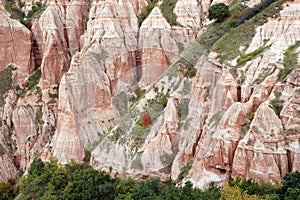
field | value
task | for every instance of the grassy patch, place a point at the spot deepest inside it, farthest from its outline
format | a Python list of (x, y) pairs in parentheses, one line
[(277, 103), (167, 8), (184, 170), (250, 56), (39, 116), (265, 73), (34, 79), (5, 83), (215, 119), (190, 56), (290, 61), (1, 150), (100, 56), (244, 130), (228, 40), (139, 92)]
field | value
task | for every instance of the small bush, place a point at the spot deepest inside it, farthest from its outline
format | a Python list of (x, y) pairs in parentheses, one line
[(17, 13), (1, 150), (5, 83), (34, 79), (250, 56), (145, 13), (290, 61), (219, 12), (167, 9), (277, 105), (184, 170)]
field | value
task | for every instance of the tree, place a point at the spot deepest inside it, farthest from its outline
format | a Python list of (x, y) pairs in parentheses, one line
[(290, 187), (219, 12)]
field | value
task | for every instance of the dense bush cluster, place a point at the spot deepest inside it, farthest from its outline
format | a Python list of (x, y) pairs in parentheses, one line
[(52, 181), (219, 12)]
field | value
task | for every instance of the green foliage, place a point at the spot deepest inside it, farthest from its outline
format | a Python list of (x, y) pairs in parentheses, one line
[(227, 39), (265, 73), (37, 167), (139, 92), (1, 150), (277, 103), (251, 187), (290, 61), (50, 180), (145, 13), (167, 8), (17, 13), (8, 190), (184, 170), (250, 56), (219, 12), (190, 72), (39, 116), (290, 188), (215, 119), (100, 56), (5, 83), (244, 130), (34, 79)]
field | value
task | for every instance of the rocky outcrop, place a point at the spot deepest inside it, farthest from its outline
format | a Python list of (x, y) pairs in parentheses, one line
[(157, 55), (85, 108), (14, 35), (48, 32)]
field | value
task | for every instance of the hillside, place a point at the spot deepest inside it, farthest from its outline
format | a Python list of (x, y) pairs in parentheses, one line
[(151, 88)]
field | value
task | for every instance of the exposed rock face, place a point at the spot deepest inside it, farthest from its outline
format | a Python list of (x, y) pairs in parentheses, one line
[(261, 154), (157, 48), (14, 35), (82, 120), (207, 123), (188, 13)]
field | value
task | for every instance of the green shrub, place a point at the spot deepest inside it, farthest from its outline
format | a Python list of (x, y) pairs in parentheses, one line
[(5, 83), (277, 105), (34, 79), (1, 150), (290, 61), (219, 12), (226, 40), (145, 13), (17, 13), (184, 170), (250, 56), (167, 9)]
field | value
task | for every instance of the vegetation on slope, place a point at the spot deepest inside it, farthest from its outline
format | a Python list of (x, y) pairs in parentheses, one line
[(229, 44), (146, 12), (228, 36), (167, 10), (290, 61), (52, 181), (15, 9), (5, 83)]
